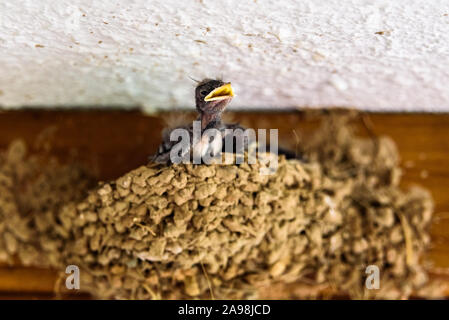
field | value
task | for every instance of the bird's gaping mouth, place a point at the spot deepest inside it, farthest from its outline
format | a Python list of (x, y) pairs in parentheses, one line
[(220, 93)]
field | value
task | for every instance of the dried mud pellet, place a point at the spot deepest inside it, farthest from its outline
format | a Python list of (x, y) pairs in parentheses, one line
[(166, 176), (105, 190), (204, 190), (16, 151), (124, 182), (204, 171), (277, 269), (10, 243)]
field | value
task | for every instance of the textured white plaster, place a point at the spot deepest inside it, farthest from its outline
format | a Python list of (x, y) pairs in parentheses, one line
[(276, 53)]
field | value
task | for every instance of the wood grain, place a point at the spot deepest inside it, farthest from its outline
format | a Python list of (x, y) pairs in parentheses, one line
[(114, 142)]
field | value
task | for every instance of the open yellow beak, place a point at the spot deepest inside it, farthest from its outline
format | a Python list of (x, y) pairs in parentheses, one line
[(220, 93)]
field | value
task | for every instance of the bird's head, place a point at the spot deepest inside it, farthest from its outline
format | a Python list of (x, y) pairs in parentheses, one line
[(212, 96)]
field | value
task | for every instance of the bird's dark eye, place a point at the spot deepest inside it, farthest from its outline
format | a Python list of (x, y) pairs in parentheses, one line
[(204, 93)]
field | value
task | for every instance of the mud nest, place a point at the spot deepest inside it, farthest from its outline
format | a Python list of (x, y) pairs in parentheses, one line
[(223, 231)]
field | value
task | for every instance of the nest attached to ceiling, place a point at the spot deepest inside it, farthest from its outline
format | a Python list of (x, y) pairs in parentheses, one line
[(223, 231)]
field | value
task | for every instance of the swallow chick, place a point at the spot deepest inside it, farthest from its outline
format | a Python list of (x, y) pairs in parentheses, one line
[(211, 99)]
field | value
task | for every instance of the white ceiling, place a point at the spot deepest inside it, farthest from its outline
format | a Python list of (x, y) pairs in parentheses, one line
[(376, 55)]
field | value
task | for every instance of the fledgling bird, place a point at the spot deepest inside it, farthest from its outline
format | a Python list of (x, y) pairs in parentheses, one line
[(211, 99)]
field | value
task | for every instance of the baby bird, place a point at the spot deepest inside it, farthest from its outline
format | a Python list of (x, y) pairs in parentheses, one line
[(211, 98)]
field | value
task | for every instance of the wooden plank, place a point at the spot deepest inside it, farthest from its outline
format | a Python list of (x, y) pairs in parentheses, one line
[(114, 142)]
